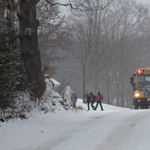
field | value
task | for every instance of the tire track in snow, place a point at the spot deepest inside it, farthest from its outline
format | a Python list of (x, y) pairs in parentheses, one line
[(59, 125), (127, 135), (98, 131), (65, 135), (77, 137)]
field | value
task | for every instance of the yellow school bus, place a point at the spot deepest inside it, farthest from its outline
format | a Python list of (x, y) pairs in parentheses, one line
[(141, 88)]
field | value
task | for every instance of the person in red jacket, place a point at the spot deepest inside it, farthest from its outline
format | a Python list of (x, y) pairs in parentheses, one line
[(92, 99), (98, 98)]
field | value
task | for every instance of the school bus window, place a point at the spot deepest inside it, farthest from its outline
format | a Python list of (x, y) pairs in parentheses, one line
[(140, 81), (147, 80)]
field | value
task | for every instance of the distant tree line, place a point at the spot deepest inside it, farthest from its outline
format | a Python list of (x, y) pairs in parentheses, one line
[(107, 46)]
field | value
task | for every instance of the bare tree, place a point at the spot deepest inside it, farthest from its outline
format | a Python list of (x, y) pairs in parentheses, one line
[(82, 52), (126, 28), (90, 39), (54, 35), (115, 29)]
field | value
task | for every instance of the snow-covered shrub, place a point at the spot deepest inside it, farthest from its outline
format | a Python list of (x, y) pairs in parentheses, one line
[(50, 100), (21, 108), (66, 94)]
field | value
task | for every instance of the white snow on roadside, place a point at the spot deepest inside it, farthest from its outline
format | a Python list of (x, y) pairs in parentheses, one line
[(79, 129)]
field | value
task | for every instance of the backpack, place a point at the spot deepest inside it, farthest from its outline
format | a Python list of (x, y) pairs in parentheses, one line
[(101, 97), (91, 98), (73, 97), (94, 97)]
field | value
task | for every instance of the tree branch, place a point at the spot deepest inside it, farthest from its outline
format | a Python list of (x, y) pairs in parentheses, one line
[(69, 4)]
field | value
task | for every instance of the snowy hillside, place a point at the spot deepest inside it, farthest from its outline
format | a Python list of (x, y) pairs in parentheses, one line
[(112, 129)]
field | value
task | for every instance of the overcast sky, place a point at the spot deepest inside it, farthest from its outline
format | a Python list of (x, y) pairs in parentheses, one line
[(144, 1), (65, 1)]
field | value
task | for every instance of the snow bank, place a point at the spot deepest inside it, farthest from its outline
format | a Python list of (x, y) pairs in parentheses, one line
[(19, 134), (55, 83), (30, 133)]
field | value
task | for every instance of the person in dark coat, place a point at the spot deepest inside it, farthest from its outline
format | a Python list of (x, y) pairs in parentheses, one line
[(92, 99), (88, 98), (98, 98)]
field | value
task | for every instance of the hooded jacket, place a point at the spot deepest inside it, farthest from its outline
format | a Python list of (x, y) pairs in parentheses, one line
[(92, 97), (98, 97)]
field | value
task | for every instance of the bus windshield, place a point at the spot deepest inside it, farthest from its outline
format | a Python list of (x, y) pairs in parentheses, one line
[(143, 80)]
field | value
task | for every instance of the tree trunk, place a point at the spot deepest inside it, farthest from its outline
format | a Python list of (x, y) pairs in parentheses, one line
[(2, 21), (108, 85), (84, 81), (29, 46)]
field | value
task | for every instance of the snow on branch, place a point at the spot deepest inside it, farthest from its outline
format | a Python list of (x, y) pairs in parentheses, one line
[(68, 4)]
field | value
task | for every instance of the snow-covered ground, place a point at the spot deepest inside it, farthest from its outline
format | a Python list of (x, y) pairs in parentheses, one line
[(112, 129)]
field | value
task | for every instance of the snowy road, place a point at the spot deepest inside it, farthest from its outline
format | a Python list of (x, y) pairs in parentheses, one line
[(112, 129), (116, 131), (123, 130)]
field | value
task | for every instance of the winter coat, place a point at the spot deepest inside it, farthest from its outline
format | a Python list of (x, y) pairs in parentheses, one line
[(88, 98), (76, 97), (98, 97), (92, 97)]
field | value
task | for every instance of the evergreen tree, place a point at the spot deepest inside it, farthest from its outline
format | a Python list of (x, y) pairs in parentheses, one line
[(12, 74)]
